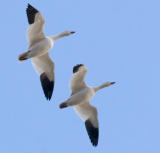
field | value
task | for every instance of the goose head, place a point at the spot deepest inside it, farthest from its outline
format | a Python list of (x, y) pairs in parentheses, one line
[(67, 33)]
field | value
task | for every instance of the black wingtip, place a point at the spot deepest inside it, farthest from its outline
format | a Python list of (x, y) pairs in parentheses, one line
[(76, 67), (31, 12), (93, 132), (29, 5), (47, 86)]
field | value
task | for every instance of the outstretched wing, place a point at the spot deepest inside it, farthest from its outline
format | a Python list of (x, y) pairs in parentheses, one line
[(44, 66), (36, 24), (77, 81), (88, 114)]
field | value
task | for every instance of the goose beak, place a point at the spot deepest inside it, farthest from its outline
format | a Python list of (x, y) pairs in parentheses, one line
[(72, 32), (112, 83)]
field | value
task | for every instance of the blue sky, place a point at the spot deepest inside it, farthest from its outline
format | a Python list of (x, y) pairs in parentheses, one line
[(118, 41)]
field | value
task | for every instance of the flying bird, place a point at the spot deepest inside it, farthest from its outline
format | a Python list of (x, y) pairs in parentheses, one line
[(79, 99), (39, 46)]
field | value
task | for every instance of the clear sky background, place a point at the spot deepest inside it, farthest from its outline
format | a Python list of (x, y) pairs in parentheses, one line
[(118, 40)]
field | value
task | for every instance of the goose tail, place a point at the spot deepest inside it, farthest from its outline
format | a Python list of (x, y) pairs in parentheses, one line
[(22, 57)]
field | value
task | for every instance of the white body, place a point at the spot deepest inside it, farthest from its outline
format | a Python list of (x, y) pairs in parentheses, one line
[(39, 46), (83, 96), (79, 99)]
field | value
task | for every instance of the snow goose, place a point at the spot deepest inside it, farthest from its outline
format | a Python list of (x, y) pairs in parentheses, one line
[(39, 46), (79, 99)]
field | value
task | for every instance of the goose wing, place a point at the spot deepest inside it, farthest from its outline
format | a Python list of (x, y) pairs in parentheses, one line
[(44, 66), (36, 23), (77, 81), (88, 114)]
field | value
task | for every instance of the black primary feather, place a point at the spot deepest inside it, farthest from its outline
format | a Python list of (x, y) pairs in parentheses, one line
[(31, 12), (76, 68), (47, 86), (93, 132)]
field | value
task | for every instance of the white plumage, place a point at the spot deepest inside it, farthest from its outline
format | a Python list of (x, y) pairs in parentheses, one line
[(79, 99), (39, 46)]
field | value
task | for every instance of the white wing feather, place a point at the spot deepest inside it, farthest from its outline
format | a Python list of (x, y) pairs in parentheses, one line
[(44, 64), (35, 31), (87, 111), (77, 81)]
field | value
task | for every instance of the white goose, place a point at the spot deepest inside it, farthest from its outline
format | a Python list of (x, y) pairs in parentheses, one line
[(80, 96), (39, 46)]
